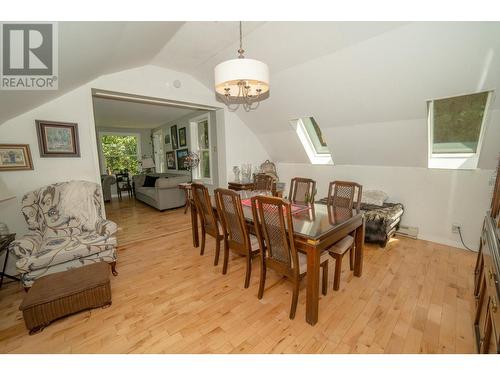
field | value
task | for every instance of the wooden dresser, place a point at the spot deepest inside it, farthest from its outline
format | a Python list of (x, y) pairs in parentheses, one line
[(487, 280)]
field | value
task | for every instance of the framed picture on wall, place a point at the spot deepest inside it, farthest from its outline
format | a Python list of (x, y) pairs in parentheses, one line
[(171, 160), (173, 135), (57, 139), (181, 156), (15, 157), (167, 139), (182, 137)]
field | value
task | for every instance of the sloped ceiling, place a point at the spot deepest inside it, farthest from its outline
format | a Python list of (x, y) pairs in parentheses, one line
[(366, 83), (88, 50)]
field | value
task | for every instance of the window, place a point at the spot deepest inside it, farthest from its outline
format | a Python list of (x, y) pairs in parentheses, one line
[(120, 152), (456, 127), (200, 141), (312, 140)]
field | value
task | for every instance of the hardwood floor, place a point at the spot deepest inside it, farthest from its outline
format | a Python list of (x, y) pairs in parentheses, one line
[(414, 297)]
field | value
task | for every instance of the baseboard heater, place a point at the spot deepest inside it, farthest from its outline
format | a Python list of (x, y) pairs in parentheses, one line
[(406, 231)]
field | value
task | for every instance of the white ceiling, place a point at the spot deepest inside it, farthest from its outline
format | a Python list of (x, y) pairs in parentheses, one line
[(366, 83), (88, 50), (110, 113)]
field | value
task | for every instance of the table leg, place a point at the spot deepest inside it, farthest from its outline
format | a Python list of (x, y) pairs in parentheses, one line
[(359, 249), (3, 274), (194, 225), (312, 297), (187, 201)]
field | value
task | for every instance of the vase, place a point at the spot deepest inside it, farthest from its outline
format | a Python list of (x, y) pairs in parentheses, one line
[(236, 171), (246, 173)]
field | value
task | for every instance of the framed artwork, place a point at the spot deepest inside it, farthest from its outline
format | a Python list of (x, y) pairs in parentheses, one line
[(15, 157), (167, 139), (173, 136), (57, 139), (181, 156), (182, 137), (171, 160)]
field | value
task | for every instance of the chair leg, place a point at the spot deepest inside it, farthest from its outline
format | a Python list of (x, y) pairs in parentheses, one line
[(324, 287), (295, 298), (217, 251), (249, 271), (113, 268), (262, 282), (351, 258), (338, 270), (203, 237), (226, 257)]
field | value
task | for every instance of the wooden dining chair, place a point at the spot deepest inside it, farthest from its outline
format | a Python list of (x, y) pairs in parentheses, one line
[(209, 223), (262, 181), (341, 194), (236, 235), (274, 227), (302, 190)]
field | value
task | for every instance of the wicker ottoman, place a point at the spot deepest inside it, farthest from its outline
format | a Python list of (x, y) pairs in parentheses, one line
[(64, 293)]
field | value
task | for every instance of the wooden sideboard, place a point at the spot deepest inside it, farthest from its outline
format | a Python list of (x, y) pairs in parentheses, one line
[(487, 290), (487, 280)]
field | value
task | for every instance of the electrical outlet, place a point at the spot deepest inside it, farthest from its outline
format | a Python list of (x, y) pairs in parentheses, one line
[(455, 227)]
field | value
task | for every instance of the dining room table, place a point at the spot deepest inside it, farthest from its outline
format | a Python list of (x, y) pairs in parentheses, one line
[(316, 228)]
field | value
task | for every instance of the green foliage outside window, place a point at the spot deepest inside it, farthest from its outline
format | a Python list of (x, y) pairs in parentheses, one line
[(457, 123), (120, 153)]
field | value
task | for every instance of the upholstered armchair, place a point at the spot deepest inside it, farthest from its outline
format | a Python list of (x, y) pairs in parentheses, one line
[(67, 230)]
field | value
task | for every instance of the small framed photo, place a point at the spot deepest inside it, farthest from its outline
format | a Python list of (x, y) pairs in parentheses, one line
[(15, 157), (167, 139), (171, 160), (57, 139), (173, 135), (181, 156), (182, 137)]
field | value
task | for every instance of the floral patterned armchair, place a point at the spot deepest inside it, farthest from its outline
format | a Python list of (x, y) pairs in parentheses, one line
[(67, 230)]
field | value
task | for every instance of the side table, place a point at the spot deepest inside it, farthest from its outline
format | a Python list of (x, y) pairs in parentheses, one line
[(4, 245), (186, 186)]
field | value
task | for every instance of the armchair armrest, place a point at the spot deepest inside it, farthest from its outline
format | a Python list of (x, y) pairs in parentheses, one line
[(106, 227), (27, 245)]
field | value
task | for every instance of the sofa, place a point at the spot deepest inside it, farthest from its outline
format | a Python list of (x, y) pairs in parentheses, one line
[(165, 194), (67, 230)]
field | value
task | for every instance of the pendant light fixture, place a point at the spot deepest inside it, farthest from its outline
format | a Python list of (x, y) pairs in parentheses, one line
[(242, 81)]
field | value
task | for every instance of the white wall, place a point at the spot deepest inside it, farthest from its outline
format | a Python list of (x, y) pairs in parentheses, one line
[(76, 106), (242, 146), (433, 199)]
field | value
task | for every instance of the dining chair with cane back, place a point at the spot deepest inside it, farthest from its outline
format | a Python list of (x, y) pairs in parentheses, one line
[(236, 235), (263, 181), (209, 223), (274, 227), (341, 194), (302, 190)]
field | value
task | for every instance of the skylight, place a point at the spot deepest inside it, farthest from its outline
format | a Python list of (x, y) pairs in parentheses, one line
[(312, 140), (456, 128)]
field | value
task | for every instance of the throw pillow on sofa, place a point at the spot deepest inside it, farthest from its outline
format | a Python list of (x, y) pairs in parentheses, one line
[(150, 181)]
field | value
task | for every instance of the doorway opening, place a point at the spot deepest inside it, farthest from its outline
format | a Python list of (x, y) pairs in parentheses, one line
[(147, 140)]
